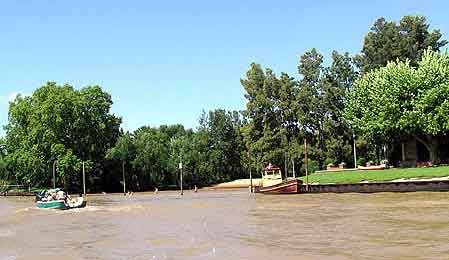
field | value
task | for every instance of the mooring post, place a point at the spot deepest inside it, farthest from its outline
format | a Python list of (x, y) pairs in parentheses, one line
[(250, 172), (307, 164)]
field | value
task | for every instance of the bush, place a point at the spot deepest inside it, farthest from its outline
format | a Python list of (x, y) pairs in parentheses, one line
[(330, 162), (361, 161), (313, 167)]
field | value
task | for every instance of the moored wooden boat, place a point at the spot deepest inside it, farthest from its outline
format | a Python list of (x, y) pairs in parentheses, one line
[(286, 187), (273, 183)]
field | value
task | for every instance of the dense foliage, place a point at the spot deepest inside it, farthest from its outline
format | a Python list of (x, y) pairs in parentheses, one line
[(282, 112), (400, 100), (390, 41), (211, 154), (59, 123)]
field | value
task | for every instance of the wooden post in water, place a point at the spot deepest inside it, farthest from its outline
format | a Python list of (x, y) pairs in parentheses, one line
[(307, 164), (84, 181), (250, 172), (124, 179)]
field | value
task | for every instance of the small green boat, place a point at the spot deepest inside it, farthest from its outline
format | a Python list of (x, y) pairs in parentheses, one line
[(55, 204), (58, 203)]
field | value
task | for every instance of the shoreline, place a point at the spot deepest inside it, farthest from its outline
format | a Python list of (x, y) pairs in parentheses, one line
[(245, 183), (397, 185)]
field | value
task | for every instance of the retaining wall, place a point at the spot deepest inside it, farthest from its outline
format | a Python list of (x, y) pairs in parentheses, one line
[(409, 186)]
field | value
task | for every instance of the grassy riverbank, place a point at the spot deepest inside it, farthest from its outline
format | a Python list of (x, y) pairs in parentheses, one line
[(378, 176)]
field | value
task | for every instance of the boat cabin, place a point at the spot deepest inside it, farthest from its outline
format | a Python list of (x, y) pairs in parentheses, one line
[(272, 175)]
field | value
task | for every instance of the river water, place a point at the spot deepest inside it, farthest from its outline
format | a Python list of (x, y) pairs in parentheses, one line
[(230, 225)]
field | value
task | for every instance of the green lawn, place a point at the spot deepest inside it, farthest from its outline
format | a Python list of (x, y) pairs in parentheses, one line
[(377, 176)]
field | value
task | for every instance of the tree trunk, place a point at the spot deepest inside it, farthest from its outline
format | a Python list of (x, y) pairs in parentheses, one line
[(432, 145)]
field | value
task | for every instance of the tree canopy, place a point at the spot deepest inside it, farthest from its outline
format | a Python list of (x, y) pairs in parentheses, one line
[(406, 40), (400, 100), (59, 123)]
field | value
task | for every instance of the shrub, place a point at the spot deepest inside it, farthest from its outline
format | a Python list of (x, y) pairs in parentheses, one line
[(361, 161), (330, 162), (313, 167)]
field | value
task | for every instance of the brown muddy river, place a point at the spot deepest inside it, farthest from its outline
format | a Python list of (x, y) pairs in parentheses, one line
[(230, 225)]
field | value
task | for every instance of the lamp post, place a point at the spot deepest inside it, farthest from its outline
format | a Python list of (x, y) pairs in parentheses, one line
[(124, 179), (355, 151), (180, 168), (54, 173), (84, 180)]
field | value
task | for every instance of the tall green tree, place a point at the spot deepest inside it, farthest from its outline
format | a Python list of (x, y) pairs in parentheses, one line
[(59, 123), (152, 154), (222, 145), (272, 123), (401, 100), (4, 173), (311, 108), (337, 81), (390, 41)]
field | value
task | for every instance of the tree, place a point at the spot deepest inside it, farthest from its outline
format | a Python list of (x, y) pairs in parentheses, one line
[(401, 100), (337, 81), (59, 123), (311, 107), (221, 147), (4, 173), (125, 152), (388, 41), (272, 126), (152, 152)]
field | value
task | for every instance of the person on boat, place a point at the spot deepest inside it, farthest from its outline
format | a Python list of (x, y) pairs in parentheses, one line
[(51, 196), (60, 195)]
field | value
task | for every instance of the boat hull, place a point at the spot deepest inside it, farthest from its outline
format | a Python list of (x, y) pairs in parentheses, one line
[(56, 204), (59, 204), (286, 187)]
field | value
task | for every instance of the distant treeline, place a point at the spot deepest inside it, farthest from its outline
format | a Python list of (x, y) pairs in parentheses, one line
[(326, 105)]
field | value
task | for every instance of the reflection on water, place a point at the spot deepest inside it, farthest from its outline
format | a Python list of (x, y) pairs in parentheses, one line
[(230, 225)]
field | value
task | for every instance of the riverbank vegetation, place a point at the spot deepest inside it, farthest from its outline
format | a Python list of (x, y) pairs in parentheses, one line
[(395, 88), (377, 176)]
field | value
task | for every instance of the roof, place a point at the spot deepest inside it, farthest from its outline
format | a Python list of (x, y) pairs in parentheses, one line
[(271, 167)]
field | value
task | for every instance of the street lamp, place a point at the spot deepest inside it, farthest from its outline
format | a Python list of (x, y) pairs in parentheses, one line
[(54, 173), (355, 150), (180, 168)]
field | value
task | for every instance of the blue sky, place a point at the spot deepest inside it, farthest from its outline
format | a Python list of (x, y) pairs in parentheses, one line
[(166, 61)]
